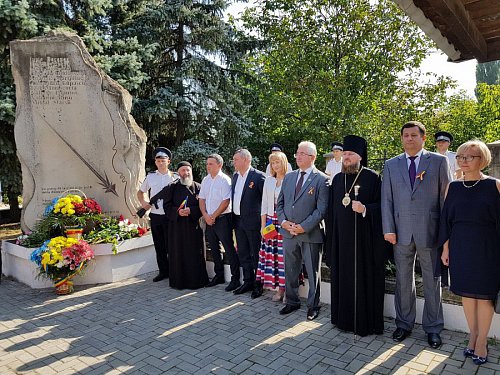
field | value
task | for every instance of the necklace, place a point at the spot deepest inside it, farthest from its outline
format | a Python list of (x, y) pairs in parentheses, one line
[(474, 184), (346, 200)]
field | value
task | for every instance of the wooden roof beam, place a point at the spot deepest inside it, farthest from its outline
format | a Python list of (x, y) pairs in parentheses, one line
[(458, 20)]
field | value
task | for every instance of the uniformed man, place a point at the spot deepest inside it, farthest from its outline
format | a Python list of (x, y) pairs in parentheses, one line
[(443, 141), (276, 147), (154, 183), (334, 166)]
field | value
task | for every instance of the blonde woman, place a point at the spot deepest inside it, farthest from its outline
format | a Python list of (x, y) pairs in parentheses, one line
[(470, 231), (271, 267)]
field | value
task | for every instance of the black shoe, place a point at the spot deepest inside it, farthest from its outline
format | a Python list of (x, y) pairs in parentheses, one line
[(434, 340), (246, 287), (215, 281), (400, 334), (288, 309), (160, 277), (257, 291), (312, 313), (233, 285)]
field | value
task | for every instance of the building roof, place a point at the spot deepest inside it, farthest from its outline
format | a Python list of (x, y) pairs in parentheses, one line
[(462, 29)]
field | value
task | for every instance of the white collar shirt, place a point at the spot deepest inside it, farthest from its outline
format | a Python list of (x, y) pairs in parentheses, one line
[(417, 160), (155, 182), (238, 191), (215, 190), (333, 167), (306, 176)]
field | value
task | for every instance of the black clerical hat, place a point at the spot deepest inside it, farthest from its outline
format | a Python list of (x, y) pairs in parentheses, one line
[(162, 152), (184, 164), (443, 136), (358, 145), (337, 146), (275, 147)]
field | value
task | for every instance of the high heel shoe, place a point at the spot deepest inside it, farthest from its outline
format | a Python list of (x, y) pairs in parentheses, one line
[(479, 360), (468, 352)]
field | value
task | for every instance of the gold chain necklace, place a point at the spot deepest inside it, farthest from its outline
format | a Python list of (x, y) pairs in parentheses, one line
[(346, 200)]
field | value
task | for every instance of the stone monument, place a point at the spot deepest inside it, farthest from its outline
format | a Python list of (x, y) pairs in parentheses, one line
[(73, 128)]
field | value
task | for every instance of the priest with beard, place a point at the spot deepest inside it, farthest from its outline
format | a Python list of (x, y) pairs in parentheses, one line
[(187, 269), (355, 196)]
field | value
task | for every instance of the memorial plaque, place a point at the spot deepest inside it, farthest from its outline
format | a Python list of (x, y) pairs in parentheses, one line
[(73, 128)]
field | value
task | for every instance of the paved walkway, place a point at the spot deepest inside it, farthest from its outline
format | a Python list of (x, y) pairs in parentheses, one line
[(140, 327)]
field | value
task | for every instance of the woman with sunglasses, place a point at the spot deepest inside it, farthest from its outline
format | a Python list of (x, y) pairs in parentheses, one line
[(470, 232)]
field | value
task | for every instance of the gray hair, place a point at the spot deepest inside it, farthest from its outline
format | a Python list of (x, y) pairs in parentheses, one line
[(217, 158), (244, 153), (311, 147)]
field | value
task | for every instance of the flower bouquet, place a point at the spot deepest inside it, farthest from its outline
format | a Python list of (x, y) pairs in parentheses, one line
[(60, 259), (112, 230)]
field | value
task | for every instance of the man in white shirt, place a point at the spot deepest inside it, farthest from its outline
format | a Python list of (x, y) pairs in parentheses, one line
[(334, 166), (215, 205), (443, 141), (276, 147), (154, 183)]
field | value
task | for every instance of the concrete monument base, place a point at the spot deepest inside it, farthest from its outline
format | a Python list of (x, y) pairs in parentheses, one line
[(135, 257)]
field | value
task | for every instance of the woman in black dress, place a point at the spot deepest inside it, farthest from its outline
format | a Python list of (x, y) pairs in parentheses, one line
[(470, 231)]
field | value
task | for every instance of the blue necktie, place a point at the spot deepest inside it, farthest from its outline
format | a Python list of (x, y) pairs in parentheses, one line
[(412, 171)]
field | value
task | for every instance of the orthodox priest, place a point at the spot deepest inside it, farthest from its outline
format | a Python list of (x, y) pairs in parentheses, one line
[(187, 268), (354, 215)]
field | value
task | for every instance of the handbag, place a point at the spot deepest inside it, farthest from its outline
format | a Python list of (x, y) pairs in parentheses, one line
[(497, 303)]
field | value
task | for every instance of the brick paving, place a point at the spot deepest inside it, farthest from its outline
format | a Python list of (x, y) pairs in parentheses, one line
[(140, 327)]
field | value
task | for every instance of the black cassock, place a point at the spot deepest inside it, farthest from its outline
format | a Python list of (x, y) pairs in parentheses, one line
[(372, 252), (187, 269)]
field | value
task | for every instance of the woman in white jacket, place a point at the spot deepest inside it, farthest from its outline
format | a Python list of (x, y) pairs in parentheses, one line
[(271, 267)]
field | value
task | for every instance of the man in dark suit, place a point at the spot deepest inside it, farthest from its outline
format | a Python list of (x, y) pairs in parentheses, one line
[(246, 195), (301, 207), (413, 191)]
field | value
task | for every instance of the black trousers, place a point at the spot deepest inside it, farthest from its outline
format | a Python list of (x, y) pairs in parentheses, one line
[(248, 242), (159, 230), (222, 232)]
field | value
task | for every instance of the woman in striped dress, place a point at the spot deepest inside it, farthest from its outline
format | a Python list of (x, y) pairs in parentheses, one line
[(271, 267)]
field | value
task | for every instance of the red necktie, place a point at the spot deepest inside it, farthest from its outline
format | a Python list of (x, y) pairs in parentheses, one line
[(299, 184)]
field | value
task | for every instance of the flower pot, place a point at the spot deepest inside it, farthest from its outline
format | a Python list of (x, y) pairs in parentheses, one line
[(64, 287), (73, 232)]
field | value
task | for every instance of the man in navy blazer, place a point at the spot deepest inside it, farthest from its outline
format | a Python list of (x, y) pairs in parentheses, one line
[(246, 195), (413, 191), (301, 207)]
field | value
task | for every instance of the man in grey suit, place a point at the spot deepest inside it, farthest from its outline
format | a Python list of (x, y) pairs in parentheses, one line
[(413, 190), (302, 204)]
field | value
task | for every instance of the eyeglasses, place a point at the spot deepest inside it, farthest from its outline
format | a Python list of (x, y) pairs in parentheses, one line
[(301, 154), (467, 158)]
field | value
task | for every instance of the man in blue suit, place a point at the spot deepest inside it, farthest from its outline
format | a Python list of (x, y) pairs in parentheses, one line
[(246, 195), (413, 191), (301, 207)]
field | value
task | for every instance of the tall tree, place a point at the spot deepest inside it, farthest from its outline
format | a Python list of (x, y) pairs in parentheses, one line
[(328, 62), (193, 99), (97, 22)]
